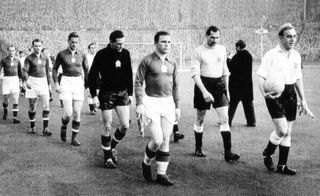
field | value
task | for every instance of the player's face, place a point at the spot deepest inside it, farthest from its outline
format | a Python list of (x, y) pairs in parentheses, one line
[(92, 49), (118, 44), (37, 47), (73, 43), (11, 51), (163, 45), (289, 39), (213, 38)]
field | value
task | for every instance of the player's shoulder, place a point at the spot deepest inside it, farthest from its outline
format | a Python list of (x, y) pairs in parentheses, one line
[(16, 59)]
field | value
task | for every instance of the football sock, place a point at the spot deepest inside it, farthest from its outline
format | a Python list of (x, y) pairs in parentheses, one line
[(162, 161), (32, 119)]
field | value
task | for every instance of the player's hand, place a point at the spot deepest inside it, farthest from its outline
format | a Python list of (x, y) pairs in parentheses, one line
[(304, 109), (228, 95), (28, 85), (178, 114), (130, 99), (271, 95), (208, 97), (140, 109), (87, 92), (95, 101), (58, 88)]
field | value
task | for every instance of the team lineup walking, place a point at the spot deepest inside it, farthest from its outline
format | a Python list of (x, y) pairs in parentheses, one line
[(106, 79)]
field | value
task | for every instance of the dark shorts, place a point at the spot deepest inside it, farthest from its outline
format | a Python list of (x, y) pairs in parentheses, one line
[(285, 105), (109, 100), (218, 90)]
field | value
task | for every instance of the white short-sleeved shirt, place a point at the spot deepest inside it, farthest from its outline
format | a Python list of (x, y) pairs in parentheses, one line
[(283, 63), (209, 61)]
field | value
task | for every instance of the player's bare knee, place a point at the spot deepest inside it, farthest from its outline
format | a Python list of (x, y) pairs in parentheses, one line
[(157, 142), (124, 127)]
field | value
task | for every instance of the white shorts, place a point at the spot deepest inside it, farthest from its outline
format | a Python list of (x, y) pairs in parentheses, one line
[(10, 84), (157, 107), (72, 88), (39, 87)]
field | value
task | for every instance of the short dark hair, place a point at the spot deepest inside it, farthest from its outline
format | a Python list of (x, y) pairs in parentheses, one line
[(93, 43), (158, 34), (212, 28), (11, 46), (115, 35), (73, 34), (36, 40), (241, 44), (284, 27)]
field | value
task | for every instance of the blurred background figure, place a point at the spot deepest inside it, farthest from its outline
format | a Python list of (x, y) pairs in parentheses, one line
[(240, 83)]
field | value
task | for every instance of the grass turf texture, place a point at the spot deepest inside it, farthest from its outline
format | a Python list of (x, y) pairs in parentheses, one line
[(37, 165)]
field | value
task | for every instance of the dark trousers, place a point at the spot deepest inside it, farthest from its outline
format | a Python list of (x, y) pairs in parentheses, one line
[(247, 107)]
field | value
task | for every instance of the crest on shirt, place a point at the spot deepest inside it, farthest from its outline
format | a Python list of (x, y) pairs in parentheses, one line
[(39, 61), (118, 64), (73, 60), (164, 69)]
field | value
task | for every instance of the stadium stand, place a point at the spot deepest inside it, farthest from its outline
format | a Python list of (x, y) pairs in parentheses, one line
[(23, 20)]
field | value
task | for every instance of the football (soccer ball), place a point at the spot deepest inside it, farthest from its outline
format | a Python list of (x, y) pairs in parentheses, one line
[(274, 84)]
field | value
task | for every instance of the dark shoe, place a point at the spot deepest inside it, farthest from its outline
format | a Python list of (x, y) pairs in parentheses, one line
[(50, 100), (75, 142), (114, 156), (283, 169), (164, 180), (109, 164), (16, 121), (4, 117), (32, 131), (92, 112), (63, 134), (251, 125), (46, 132), (269, 163), (178, 136), (146, 171), (229, 156), (199, 153)]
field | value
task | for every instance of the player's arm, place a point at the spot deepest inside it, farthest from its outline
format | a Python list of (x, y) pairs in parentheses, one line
[(19, 67), (300, 90), (47, 70), (85, 66), (25, 69), (1, 65), (195, 70), (93, 75), (55, 68), (129, 76), (175, 92), (138, 84)]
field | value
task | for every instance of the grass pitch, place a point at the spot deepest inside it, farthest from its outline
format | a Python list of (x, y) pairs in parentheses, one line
[(37, 165)]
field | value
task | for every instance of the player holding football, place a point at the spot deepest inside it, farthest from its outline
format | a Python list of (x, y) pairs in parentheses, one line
[(285, 61)]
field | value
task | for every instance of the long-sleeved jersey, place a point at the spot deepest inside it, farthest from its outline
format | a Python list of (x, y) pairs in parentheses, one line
[(115, 71), (160, 78)]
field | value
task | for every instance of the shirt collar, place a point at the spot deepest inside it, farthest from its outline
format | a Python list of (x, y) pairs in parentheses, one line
[(73, 52), (156, 56)]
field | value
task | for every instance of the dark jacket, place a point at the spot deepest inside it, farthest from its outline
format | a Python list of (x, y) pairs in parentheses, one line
[(240, 80)]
